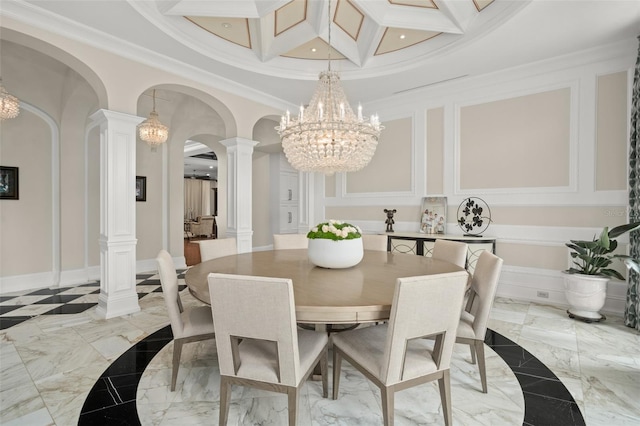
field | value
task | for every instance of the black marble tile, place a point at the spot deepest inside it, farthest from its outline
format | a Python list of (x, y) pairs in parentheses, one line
[(5, 298), (70, 308), (541, 410), (552, 388), (118, 415), (8, 322), (45, 291), (144, 276), (150, 282), (58, 298), (9, 308), (94, 284)]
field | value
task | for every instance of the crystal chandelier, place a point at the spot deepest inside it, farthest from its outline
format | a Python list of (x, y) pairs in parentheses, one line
[(9, 104), (328, 136), (151, 130)]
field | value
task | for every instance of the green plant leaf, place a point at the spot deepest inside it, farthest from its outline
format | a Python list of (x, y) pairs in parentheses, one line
[(619, 230), (611, 273), (603, 241)]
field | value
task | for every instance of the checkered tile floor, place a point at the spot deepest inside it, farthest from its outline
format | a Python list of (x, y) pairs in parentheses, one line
[(17, 308)]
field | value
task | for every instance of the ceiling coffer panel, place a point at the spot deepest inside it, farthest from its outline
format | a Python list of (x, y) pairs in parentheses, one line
[(289, 16), (348, 18), (235, 30)]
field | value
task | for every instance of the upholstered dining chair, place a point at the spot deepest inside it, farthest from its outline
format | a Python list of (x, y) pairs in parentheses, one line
[(258, 342), (396, 356), (204, 226), (374, 242), (290, 241), (190, 325), (450, 251), (474, 317), (213, 249)]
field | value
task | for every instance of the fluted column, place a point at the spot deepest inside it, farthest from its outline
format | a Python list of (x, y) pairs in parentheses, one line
[(239, 191), (117, 240)]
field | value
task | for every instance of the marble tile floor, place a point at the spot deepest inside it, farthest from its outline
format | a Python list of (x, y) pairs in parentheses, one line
[(55, 367)]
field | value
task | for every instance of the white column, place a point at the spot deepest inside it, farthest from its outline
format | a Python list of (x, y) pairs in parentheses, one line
[(239, 191), (117, 241)]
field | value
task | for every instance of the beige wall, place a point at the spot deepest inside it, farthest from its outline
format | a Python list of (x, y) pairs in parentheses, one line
[(25, 224), (435, 151), (390, 168), (611, 132), (520, 142)]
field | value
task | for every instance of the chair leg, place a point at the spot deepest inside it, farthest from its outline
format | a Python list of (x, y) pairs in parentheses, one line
[(473, 353), (444, 383), (225, 393), (387, 405), (337, 363), (324, 369), (293, 406), (177, 351), (479, 348)]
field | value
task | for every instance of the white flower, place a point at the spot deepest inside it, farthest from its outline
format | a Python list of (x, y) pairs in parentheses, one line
[(315, 229), (345, 233), (332, 221), (325, 228), (332, 229)]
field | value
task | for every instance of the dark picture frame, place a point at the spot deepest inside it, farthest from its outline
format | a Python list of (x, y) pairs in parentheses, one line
[(9, 183), (141, 188)]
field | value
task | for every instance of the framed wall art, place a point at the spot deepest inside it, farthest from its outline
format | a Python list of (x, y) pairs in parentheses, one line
[(141, 188), (433, 215), (9, 180)]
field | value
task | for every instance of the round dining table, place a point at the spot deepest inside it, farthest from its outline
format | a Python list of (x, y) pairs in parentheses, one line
[(362, 293)]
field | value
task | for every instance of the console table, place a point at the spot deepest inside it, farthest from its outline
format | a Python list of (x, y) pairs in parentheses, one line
[(422, 244)]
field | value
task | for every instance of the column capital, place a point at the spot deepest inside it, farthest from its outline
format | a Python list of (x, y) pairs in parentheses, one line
[(105, 115), (239, 142)]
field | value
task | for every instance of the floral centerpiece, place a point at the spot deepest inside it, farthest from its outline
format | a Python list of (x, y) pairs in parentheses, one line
[(335, 230), (335, 244)]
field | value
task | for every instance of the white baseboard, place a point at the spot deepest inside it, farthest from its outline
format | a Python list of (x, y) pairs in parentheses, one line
[(547, 287)]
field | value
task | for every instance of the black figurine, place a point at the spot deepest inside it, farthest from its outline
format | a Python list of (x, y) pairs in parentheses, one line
[(389, 220)]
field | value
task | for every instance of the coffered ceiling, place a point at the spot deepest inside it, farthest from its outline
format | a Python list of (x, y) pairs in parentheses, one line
[(274, 49)]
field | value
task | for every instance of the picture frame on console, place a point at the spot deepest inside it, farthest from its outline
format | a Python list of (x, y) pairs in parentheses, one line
[(9, 183), (433, 215), (141, 188)]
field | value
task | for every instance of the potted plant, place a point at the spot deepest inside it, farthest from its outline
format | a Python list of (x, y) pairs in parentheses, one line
[(586, 280), (335, 244)]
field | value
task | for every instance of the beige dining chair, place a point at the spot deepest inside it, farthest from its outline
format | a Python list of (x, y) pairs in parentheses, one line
[(290, 241), (258, 342), (213, 249), (475, 316), (396, 355), (450, 251), (190, 325), (374, 242)]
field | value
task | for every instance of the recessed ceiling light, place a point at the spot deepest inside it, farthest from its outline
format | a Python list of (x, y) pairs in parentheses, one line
[(402, 36), (226, 25), (313, 49), (208, 174), (211, 167)]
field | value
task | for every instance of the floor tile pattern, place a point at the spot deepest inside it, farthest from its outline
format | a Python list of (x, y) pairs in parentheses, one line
[(50, 363)]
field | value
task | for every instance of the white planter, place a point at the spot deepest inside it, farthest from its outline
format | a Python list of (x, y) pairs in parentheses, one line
[(335, 254), (586, 295)]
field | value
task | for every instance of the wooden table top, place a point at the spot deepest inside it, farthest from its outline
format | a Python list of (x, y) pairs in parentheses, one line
[(362, 293)]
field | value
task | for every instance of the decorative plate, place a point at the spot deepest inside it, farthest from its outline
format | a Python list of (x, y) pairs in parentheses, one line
[(474, 216)]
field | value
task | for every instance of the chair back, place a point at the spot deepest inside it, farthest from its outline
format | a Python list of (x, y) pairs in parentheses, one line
[(483, 290), (169, 283), (450, 251), (374, 242), (422, 306), (290, 241), (255, 308), (213, 249)]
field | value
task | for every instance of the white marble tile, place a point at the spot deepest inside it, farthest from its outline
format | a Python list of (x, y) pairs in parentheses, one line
[(52, 323), (87, 298), (19, 401), (31, 310), (516, 317), (64, 394), (551, 338), (80, 290), (560, 361), (39, 417), (509, 330), (153, 414)]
